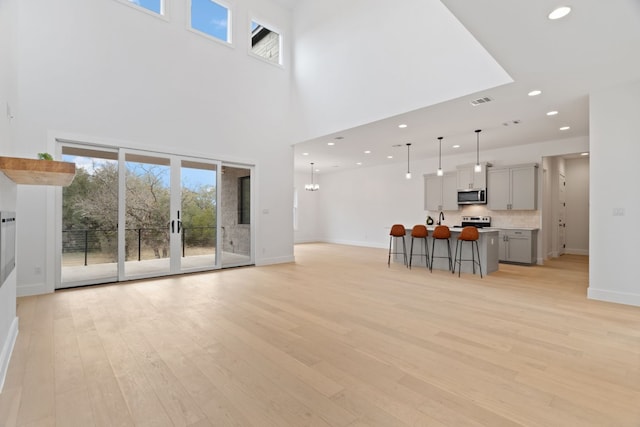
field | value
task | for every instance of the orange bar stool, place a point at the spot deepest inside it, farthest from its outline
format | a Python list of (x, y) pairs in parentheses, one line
[(419, 232), (441, 233), (397, 230), (468, 234)]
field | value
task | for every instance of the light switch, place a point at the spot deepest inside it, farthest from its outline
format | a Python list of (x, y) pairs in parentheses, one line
[(618, 211)]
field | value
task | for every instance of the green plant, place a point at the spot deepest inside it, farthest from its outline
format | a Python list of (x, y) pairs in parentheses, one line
[(45, 156)]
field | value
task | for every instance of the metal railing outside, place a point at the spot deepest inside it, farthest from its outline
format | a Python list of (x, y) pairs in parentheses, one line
[(102, 245)]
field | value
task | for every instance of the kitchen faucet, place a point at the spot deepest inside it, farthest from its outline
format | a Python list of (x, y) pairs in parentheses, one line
[(440, 218)]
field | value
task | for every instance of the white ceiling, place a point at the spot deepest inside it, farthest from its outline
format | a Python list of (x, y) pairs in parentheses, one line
[(597, 45)]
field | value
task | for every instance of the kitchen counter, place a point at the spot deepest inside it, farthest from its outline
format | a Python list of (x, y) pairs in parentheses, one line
[(513, 228), (487, 245)]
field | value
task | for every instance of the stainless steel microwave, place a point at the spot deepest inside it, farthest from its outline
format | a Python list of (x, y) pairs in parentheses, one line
[(472, 197)]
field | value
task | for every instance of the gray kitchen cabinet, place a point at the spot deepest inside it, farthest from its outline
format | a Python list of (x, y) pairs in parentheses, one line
[(518, 246), (469, 179), (512, 187), (440, 192)]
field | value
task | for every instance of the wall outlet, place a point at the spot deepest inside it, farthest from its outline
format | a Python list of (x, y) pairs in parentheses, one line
[(37, 271)]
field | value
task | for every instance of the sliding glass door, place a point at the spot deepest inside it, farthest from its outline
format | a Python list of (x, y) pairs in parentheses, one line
[(199, 212), (146, 231), (89, 234), (135, 214)]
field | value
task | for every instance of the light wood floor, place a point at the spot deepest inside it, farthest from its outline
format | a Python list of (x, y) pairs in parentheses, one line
[(336, 339)]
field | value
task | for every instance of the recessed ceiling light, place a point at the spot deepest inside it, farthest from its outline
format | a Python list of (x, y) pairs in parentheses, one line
[(456, 146), (367, 152), (535, 92), (359, 163), (389, 157), (397, 145), (584, 154), (305, 154), (339, 137), (552, 113), (402, 126), (331, 143), (560, 12), (565, 128)]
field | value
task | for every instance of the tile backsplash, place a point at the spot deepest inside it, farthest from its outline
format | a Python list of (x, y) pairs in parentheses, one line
[(507, 219)]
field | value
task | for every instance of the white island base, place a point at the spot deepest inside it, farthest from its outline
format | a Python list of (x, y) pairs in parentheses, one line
[(487, 245)]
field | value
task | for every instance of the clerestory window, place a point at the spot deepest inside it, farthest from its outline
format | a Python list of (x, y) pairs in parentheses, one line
[(265, 43), (155, 6), (212, 19)]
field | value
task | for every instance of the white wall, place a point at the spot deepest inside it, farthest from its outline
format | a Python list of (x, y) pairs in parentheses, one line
[(577, 199), (8, 319), (104, 72), (614, 174), (348, 54), (358, 206)]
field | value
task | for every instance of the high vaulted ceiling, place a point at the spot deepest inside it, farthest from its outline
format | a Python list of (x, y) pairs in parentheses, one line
[(597, 45)]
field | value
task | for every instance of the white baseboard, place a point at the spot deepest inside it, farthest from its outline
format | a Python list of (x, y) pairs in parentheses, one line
[(29, 290), (275, 260), (358, 243), (611, 296), (571, 251), (7, 349), (302, 241)]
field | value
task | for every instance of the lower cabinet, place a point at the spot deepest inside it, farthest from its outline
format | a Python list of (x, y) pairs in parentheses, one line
[(518, 246)]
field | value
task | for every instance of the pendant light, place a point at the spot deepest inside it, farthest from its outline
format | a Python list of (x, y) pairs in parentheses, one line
[(478, 167), (440, 173), (312, 186), (408, 174)]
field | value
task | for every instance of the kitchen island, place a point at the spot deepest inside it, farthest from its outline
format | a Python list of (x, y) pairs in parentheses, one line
[(488, 245)]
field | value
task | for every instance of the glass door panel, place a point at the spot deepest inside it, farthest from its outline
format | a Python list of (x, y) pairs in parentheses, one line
[(89, 252), (235, 216), (198, 231), (147, 198)]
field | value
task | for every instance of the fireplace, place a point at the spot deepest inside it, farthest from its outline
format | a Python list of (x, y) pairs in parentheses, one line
[(7, 244)]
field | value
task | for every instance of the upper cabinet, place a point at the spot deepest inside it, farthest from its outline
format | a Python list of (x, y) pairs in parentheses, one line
[(512, 187), (440, 192), (469, 179)]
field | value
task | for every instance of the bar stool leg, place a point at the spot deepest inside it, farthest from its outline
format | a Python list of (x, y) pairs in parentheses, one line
[(457, 259), (389, 260), (411, 254), (404, 251), (473, 259), (426, 252), (433, 245)]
